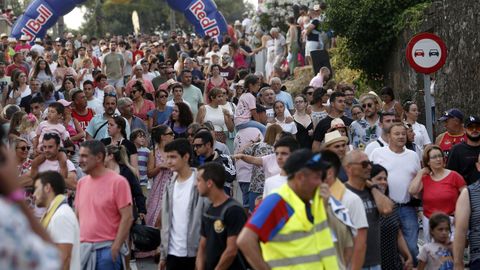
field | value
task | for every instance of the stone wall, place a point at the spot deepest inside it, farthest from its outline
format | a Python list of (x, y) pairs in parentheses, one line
[(458, 82)]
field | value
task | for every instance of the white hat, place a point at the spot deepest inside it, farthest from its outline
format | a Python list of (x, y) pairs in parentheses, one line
[(24, 38), (337, 123), (70, 35), (12, 39), (38, 40), (333, 137), (3, 35), (316, 7), (237, 22)]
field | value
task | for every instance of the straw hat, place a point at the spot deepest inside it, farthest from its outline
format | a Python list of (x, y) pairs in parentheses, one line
[(333, 137)]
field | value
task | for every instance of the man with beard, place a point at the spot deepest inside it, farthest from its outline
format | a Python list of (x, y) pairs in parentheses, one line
[(268, 99), (463, 157), (366, 130), (97, 128)]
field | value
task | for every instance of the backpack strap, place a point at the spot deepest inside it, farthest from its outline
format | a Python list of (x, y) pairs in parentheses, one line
[(380, 143), (98, 130), (225, 208)]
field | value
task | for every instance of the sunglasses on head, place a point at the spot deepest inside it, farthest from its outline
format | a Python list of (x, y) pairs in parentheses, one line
[(111, 94)]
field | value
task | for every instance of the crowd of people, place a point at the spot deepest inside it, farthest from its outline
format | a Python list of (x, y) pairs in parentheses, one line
[(202, 143)]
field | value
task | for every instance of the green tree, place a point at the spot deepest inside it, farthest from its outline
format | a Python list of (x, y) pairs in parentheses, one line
[(370, 28)]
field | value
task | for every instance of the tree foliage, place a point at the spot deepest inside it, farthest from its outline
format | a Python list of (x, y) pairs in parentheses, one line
[(154, 15), (370, 28)]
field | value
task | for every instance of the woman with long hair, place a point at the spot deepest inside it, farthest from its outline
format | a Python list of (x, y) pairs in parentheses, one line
[(221, 118), (292, 43), (410, 115), (117, 160), (180, 119), (162, 111), (67, 85), (280, 119), (118, 136), (303, 121), (158, 170), (63, 70), (317, 108), (392, 242), (215, 81), (41, 71), (390, 104), (141, 106), (238, 55), (18, 90)]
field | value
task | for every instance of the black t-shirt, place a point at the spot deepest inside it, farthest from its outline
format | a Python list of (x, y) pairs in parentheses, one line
[(314, 34), (462, 159), (129, 146), (373, 255), (216, 231), (324, 125)]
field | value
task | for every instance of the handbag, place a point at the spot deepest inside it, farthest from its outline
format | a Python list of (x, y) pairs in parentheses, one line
[(145, 238)]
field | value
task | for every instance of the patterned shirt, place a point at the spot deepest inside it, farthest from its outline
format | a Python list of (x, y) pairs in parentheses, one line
[(142, 164), (20, 247), (258, 176), (362, 133)]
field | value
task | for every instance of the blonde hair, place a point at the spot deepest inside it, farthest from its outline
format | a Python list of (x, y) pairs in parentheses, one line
[(28, 123), (120, 156)]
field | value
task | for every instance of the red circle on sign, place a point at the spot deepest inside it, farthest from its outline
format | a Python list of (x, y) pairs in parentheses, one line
[(417, 67)]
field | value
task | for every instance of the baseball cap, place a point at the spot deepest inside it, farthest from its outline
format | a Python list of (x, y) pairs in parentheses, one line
[(304, 158), (472, 120), (64, 102), (452, 113)]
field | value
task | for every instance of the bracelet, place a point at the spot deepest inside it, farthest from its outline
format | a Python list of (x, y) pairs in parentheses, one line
[(16, 196)]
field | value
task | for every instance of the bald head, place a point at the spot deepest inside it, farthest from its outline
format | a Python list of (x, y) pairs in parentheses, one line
[(353, 156)]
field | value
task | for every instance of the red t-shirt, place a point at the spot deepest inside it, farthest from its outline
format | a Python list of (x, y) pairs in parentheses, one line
[(98, 201), (448, 141), (12, 67), (441, 195)]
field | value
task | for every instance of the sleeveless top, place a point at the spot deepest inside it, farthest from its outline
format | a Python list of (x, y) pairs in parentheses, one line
[(474, 226), (211, 85), (239, 61), (448, 141), (215, 115), (83, 119)]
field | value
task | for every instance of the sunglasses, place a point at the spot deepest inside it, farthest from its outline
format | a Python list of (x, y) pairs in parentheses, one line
[(24, 148), (364, 163), (111, 94), (197, 145), (309, 93), (171, 72), (70, 152), (162, 96), (369, 105)]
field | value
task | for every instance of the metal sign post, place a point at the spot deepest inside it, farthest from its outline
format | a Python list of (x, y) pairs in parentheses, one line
[(428, 105)]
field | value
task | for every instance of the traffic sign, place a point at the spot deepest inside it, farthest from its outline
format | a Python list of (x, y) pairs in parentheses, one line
[(426, 53)]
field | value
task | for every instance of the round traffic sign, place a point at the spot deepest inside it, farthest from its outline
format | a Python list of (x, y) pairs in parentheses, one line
[(426, 53)]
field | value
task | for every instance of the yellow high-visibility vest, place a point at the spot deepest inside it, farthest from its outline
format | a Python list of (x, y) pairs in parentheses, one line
[(301, 245)]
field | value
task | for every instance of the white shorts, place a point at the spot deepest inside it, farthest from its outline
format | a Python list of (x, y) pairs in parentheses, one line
[(311, 46), (116, 83)]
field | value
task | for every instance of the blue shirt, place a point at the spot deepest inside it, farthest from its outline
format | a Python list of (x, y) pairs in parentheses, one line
[(286, 98)]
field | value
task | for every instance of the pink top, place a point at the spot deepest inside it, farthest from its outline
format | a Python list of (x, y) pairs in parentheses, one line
[(270, 165), (146, 83), (441, 195), (239, 61), (45, 127), (246, 103), (316, 82), (98, 201), (148, 105)]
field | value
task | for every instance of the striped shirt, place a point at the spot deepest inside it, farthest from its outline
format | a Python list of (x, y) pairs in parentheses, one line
[(142, 164), (474, 232)]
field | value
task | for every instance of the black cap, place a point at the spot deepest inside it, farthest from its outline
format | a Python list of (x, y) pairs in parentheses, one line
[(452, 113), (304, 158), (472, 120)]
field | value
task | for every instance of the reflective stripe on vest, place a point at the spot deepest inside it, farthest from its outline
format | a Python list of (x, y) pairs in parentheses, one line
[(301, 244), (298, 235), (303, 259)]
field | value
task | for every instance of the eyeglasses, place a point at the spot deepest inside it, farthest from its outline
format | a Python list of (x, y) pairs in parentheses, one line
[(369, 105), (24, 148), (364, 163), (168, 133), (197, 145)]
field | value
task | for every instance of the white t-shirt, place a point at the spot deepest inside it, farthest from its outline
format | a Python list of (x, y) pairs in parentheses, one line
[(177, 245), (421, 135), (374, 145), (401, 169), (64, 229), (270, 165), (54, 165), (96, 105), (272, 183), (356, 210), (288, 127)]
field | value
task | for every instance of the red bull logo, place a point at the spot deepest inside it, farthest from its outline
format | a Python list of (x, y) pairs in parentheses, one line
[(210, 26), (33, 26)]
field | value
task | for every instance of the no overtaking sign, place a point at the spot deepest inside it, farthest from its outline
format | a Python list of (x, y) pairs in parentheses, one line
[(426, 53)]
